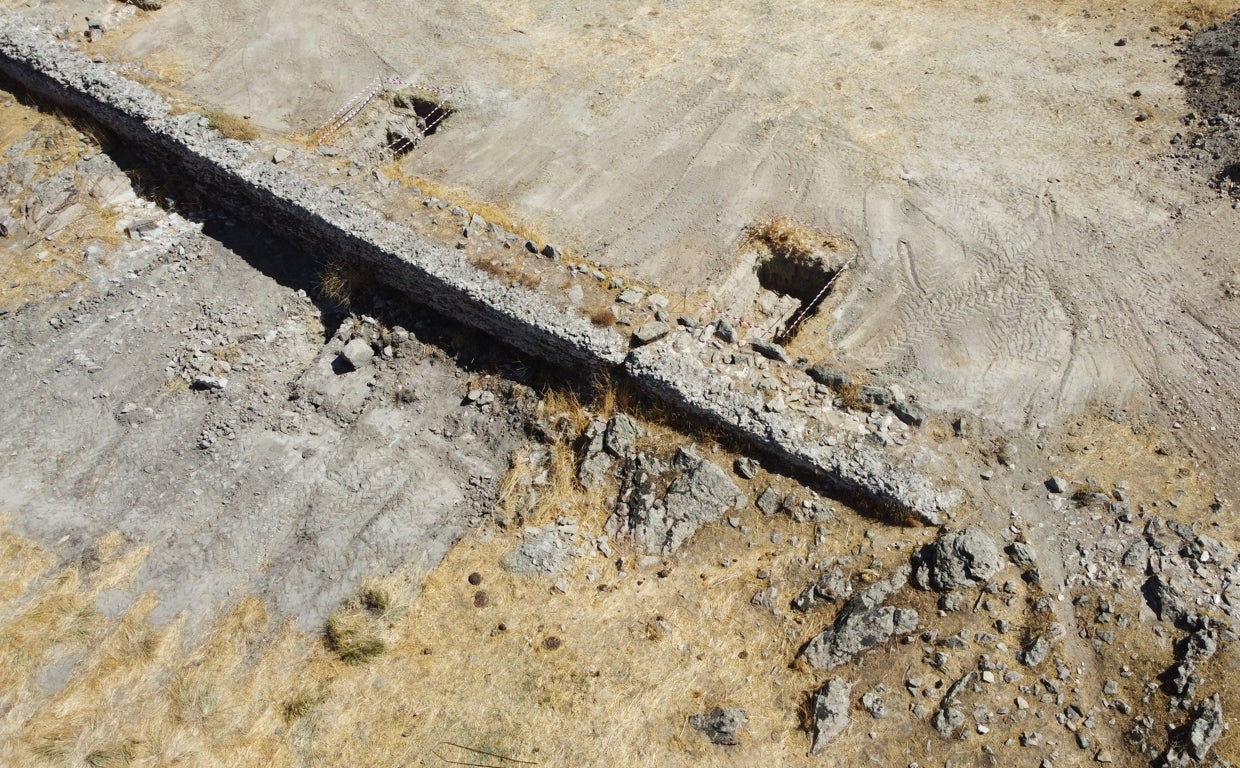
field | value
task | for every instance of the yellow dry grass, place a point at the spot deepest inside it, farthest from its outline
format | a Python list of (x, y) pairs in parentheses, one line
[(232, 126), (492, 212)]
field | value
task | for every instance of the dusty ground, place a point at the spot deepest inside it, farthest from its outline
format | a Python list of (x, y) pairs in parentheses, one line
[(1024, 253), (1029, 263), (247, 485)]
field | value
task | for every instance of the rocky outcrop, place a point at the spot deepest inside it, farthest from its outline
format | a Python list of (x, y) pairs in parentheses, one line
[(861, 624), (700, 493), (830, 711), (959, 559)]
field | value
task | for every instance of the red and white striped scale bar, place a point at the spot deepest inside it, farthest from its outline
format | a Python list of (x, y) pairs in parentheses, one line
[(358, 101)]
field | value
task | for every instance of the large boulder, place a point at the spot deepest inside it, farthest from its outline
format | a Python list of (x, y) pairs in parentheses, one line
[(961, 559)]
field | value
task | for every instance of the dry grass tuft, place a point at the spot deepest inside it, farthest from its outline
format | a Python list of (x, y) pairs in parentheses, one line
[(352, 637), (231, 126), (603, 317), (792, 239), (340, 281)]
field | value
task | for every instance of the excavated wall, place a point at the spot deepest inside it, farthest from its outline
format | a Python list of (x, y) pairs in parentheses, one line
[(440, 277)]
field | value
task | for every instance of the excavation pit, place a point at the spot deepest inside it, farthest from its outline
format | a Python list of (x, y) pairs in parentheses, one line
[(805, 279)]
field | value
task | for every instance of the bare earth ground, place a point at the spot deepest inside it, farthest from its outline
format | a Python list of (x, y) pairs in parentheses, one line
[(1025, 260), (1024, 253)]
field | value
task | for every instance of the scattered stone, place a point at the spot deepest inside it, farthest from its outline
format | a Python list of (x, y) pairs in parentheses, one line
[(725, 331), (280, 155), (621, 436), (1036, 652), (721, 726), (204, 383), (770, 350), (631, 295), (1164, 599), (551, 252), (357, 353), (1057, 485), (769, 500), (650, 332), (702, 493), (910, 413), (830, 709), (961, 559), (1021, 554), (948, 721), (829, 587), (746, 467), (544, 553), (861, 624), (877, 396), (575, 294), (1206, 728), (831, 377), (596, 461), (874, 704)]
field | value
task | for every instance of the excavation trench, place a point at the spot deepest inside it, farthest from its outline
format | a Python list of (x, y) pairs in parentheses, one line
[(441, 279)]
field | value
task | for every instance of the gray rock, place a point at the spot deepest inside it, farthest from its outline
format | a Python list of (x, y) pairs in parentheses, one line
[(832, 377), (575, 294), (910, 413), (650, 332), (1021, 554), (551, 252), (1206, 728), (1057, 485), (357, 353), (770, 350), (830, 709), (874, 704), (621, 436), (702, 493), (879, 396), (961, 559), (544, 553), (721, 726), (769, 500), (829, 587), (1036, 651), (861, 624), (204, 383), (631, 295), (1164, 599), (948, 721), (725, 331), (746, 468), (596, 462)]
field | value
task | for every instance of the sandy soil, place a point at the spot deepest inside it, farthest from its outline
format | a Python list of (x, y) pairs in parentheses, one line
[(1024, 252)]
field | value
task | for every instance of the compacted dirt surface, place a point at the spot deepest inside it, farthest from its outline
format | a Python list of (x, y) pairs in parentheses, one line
[(1025, 251), (258, 508)]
